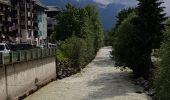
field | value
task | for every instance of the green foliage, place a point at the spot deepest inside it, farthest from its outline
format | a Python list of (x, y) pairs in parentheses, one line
[(122, 15), (150, 23), (136, 37), (149, 26), (107, 38), (81, 32), (69, 22), (162, 80), (71, 50), (124, 50)]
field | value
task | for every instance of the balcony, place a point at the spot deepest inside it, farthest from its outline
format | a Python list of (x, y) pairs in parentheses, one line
[(13, 12)]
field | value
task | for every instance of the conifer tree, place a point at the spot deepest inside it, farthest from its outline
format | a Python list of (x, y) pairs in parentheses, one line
[(135, 37), (149, 26)]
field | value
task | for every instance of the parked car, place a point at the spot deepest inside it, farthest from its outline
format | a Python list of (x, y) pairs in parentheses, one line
[(24, 46), (12, 46), (4, 48), (50, 45)]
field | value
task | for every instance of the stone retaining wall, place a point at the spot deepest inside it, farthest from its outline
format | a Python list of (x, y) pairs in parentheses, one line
[(18, 78)]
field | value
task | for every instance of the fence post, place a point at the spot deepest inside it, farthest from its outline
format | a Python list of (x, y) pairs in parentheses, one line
[(19, 56), (11, 57), (31, 54), (3, 59), (26, 55)]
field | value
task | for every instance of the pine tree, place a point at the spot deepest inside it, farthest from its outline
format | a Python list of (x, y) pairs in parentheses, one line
[(150, 23), (123, 14), (149, 26)]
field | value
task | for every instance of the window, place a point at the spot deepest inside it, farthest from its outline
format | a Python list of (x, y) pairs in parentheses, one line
[(22, 14), (7, 47), (10, 29), (4, 8), (29, 33), (28, 5), (5, 29), (1, 47), (22, 22), (9, 19), (3, 18), (0, 28), (29, 22), (29, 14)]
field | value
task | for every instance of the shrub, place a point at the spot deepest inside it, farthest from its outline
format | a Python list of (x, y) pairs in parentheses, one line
[(162, 79), (72, 51), (81, 32), (125, 52)]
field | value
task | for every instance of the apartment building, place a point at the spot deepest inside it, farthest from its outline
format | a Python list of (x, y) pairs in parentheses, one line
[(24, 21), (5, 21), (22, 12)]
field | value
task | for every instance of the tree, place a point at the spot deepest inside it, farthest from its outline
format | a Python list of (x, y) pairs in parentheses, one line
[(70, 22), (150, 22), (149, 26), (124, 50), (162, 80), (81, 32), (81, 22), (134, 50), (122, 15), (96, 25)]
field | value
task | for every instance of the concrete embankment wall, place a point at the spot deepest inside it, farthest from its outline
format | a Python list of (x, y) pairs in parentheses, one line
[(19, 78)]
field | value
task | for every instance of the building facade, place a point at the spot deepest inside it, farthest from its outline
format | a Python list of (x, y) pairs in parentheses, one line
[(5, 21), (51, 12), (41, 20), (23, 20)]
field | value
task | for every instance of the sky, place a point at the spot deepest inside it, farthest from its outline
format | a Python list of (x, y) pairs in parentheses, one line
[(167, 5), (106, 2), (108, 8), (132, 3)]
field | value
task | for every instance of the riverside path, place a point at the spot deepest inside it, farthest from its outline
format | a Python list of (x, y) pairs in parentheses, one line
[(100, 80)]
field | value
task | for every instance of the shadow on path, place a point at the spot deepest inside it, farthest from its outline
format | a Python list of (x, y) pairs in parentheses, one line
[(110, 85)]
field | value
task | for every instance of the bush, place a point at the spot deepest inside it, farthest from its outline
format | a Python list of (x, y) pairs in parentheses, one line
[(72, 51), (81, 32), (125, 52), (162, 79), (73, 55)]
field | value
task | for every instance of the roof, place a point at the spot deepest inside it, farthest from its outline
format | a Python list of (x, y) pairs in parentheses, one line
[(52, 8), (6, 2), (39, 3)]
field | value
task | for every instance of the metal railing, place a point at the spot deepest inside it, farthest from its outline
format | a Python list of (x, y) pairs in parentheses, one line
[(26, 55)]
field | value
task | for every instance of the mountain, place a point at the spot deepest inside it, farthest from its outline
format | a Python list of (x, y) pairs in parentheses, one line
[(108, 8)]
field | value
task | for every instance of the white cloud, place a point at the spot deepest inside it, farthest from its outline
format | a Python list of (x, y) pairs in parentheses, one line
[(104, 2), (131, 3), (125, 2)]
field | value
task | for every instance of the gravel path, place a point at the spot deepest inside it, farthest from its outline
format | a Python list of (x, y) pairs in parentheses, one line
[(100, 80)]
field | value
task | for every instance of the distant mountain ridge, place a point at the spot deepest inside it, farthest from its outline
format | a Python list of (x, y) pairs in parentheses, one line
[(107, 12)]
